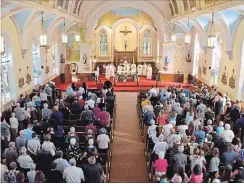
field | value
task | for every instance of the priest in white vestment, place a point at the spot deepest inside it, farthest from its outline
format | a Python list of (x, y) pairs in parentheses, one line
[(107, 72), (144, 69), (133, 69), (112, 70), (139, 70), (149, 72)]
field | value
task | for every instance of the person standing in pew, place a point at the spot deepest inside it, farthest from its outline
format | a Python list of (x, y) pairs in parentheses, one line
[(92, 127), (103, 141), (86, 114), (73, 174), (104, 118), (75, 107), (93, 171)]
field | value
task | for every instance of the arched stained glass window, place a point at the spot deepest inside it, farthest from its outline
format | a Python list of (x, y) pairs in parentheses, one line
[(197, 50), (216, 59), (55, 67), (4, 78), (147, 43), (103, 42), (34, 60)]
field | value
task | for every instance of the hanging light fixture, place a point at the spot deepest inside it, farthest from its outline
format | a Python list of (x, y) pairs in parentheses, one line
[(43, 36), (188, 34), (2, 49), (173, 35), (211, 34), (77, 35), (64, 36)]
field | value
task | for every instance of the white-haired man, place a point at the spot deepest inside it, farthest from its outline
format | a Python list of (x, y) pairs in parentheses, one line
[(73, 174), (103, 141), (160, 146), (179, 159), (86, 114), (93, 171), (227, 134)]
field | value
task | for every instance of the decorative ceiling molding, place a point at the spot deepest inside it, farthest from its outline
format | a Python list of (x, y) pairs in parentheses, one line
[(219, 7)]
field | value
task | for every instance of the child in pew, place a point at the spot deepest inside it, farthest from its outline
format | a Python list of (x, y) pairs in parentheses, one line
[(164, 179)]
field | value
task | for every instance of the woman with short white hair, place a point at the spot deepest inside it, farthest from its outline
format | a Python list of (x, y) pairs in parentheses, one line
[(103, 141), (73, 151), (24, 160), (32, 173), (71, 135), (227, 134)]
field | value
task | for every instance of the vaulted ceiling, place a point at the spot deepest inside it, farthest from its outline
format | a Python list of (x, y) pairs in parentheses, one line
[(89, 11)]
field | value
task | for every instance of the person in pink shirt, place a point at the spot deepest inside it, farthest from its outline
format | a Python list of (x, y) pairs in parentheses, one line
[(91, 127), (160, 165), (161, 119), (104, 118), (196, 176), (96, 112)]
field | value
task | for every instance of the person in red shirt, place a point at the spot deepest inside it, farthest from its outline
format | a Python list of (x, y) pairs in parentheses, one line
[(100, 85), (81, 102), (92, 127), (104, 118)]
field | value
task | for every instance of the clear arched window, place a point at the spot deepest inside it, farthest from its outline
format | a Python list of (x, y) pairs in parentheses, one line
[(103, 42), (197, 50), (216, 59), (4, 78), (147, 43), (34, 60)]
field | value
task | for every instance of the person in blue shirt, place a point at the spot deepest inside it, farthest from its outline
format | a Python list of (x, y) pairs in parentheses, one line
[(187, 92), (199, 134), (28, 132)]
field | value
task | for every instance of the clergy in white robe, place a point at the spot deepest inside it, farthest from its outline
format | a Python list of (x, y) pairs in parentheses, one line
[(112, 70), (133, 69), (139, 70), (107, 72), (149, 72), (97, 73), (128, 69), (144, 69)]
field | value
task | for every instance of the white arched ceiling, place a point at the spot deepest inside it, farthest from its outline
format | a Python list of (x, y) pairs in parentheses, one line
[(92, 20)]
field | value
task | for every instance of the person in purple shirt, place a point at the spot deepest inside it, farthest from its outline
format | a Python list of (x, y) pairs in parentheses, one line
[(57, 116), (199, 134)]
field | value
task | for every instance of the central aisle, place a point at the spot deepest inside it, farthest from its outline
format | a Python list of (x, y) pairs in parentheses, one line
[(128, 161)]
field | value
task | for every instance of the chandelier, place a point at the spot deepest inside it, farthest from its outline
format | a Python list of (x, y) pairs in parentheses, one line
[(43, 35)]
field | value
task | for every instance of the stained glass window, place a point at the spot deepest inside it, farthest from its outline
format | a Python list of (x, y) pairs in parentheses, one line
[(216, 59), (197, 50), (55, 67), (34, 60), (103, 42), (147, 43), (4, 78)]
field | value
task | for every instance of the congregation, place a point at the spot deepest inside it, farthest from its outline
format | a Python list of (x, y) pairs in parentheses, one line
[(192, 136), (52, 137)]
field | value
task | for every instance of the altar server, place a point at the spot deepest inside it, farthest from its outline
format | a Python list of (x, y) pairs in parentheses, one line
[(133, 69), (139, 70), (144, 69), (149, 72), (112, 70), (107, 74)]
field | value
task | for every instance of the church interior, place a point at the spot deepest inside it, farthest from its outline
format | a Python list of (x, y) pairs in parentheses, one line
[(132, 46)]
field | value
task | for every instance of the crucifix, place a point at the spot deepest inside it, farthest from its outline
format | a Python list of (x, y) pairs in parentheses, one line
[(125, 32)]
